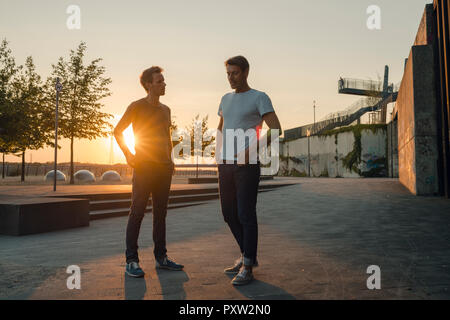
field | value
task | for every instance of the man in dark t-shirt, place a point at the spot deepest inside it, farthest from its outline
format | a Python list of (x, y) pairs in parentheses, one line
[(152, 169)]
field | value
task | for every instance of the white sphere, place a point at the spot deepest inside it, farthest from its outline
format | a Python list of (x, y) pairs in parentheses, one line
[(111, 175), (84, 176), (59, 176)]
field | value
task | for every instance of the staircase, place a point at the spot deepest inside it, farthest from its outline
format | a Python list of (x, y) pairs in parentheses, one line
[(110, 205)]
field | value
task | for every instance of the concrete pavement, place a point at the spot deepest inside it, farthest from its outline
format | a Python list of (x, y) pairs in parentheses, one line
[(316, 240)]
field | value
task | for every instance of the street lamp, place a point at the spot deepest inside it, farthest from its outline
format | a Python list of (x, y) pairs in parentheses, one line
[(314, 106)]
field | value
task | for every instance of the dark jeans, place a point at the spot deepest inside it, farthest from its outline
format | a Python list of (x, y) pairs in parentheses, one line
[(238, 186), (149, 178)]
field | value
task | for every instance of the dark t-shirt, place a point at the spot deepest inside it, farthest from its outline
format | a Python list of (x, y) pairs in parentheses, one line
[(151, 128)]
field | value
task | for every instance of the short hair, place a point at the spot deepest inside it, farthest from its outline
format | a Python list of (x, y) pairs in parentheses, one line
[(147, 75), (239, 61)]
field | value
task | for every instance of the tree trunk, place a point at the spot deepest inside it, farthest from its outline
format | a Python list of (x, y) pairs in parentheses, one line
[(72, 180), (22, 174), (3, 167)]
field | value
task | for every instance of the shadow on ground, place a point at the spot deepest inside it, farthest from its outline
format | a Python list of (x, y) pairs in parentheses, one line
[(172, 284), (260, 290), (135, 288)]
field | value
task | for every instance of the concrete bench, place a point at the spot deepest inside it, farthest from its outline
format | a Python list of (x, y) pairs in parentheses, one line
[(22, 216)]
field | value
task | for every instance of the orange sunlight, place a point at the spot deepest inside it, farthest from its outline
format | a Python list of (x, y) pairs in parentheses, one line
[(129, 141)]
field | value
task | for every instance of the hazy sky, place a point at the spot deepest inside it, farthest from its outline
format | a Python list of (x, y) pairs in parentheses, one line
[(297, 51)]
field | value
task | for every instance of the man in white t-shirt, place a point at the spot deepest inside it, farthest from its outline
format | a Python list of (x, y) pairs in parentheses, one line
[(242, 114)]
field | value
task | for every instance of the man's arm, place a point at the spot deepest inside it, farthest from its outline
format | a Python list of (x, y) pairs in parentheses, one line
[(170, 142), (118, 134), (219, 140), (220, 126), (271, 119)]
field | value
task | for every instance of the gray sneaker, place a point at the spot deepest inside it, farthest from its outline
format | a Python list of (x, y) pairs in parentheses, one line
[(168, 264), (237, 266), (243, 277), (134, 270)]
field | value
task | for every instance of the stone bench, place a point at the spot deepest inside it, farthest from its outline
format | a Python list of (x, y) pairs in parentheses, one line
[(22, 216)]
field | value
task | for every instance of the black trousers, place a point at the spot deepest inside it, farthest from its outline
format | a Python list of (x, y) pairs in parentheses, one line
[(155, 179), (238, 186)]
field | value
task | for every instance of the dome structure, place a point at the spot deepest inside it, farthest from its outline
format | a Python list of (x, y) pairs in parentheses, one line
[(50, 176), (111, 175), (84, 176)]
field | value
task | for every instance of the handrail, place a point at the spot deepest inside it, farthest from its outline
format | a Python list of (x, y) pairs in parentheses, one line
[(361, 103), (346, 83)]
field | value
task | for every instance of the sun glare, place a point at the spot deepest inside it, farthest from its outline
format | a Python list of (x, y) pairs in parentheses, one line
[(129, 139)]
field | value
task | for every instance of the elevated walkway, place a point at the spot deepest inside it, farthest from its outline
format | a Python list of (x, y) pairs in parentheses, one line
[(341, 119), (363, 87), (377, 95)]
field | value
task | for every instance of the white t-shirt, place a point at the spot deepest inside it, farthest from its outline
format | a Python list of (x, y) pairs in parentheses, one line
[(242, 111)]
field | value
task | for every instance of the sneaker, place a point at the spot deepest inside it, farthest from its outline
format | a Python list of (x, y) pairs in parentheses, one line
[(237, 266), (243, 277), (134, 270), (168, 264)]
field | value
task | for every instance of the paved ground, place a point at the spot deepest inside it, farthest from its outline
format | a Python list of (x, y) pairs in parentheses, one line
[(317, 239)]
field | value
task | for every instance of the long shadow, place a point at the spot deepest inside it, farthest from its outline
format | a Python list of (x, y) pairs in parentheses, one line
[(172, 284), (135, 288), (260, 290)]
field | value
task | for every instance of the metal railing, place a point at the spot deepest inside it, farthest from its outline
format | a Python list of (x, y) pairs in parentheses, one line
[(361, 103), (338, 119), (359, 84)]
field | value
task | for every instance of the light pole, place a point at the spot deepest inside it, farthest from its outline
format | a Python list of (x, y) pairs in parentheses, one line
[(314, 106), (58, 88)]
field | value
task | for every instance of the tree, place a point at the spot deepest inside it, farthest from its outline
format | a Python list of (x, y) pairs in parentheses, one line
[(32, 115), (173, 128), (83, 88), (8, 70), (199, 131)]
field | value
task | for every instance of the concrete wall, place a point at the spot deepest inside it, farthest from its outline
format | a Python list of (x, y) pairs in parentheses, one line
[(327, 154), (392, 150), (424, 34), (417, 132), (416, 114)]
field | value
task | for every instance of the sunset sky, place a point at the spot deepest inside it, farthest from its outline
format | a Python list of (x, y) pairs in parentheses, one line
[(297, 51)]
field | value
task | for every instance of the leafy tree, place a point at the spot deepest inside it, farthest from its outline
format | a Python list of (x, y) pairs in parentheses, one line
[(33, 127), (199, 130), (83, 88), (173, 128), (8, 69)]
